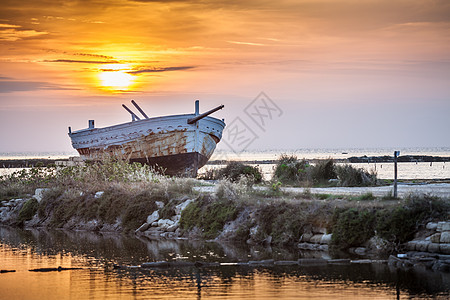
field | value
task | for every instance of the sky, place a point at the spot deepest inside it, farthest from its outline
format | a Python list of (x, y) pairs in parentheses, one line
[(292, 74)]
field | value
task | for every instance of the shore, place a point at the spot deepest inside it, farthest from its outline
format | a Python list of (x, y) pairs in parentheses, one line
[(32, 162)]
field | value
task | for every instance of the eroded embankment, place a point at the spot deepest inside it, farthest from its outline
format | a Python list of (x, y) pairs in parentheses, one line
[(239, 214)]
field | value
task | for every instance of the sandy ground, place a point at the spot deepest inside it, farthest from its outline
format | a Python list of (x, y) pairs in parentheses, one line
[(436, 189)]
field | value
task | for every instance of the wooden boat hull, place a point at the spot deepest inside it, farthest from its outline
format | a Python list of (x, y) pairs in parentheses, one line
[(168, 142)]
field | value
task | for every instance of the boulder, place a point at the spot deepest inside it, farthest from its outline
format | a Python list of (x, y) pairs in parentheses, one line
[(422, 246), (143, 227), (432, 225), (360, 250), (172, 228), (180, 207), (316, 238), (39, 194), (165, 223), (433, 248), (435, 238), (443, 226), (445, 237), (153, 217), (444, 248), (411, 245), (326, 239), (159, 204)]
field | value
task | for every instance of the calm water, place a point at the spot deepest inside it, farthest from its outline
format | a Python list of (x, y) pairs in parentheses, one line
[(22, 250)]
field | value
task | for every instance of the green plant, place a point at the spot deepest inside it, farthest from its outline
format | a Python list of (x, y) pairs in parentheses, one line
[(235, 170), (291, 170), (28, 210), (323, 171), (276, 186), (208, 214), (351, 176), (352, 227)]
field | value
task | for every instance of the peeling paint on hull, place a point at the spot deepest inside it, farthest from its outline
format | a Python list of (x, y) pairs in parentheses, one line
[(167, 142)]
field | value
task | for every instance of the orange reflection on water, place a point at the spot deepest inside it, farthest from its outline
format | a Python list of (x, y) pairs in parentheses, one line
[(99, 283)]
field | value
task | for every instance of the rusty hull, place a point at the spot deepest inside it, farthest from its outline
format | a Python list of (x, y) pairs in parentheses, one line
[(167, 142)]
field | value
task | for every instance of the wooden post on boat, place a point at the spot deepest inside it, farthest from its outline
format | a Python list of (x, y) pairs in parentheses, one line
[(396, 154)]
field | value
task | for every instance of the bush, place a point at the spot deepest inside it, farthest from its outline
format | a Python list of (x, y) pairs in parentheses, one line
[(235, 170), (323, 171), (352, 227), (351, 176), (28, 210), (208, 214), (399, 225), (290, 170)]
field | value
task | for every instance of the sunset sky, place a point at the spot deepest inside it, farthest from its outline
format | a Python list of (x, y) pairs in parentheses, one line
[(349, 73)]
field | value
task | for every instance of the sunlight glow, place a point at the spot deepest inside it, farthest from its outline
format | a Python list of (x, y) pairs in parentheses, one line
[(117, 80)]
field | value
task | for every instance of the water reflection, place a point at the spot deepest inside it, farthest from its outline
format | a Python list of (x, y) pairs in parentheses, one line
[(22, 250)]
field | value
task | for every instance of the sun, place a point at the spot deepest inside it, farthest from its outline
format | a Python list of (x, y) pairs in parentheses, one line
[(116, 80)]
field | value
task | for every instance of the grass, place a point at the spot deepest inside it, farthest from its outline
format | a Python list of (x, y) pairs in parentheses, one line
[(130, 193)]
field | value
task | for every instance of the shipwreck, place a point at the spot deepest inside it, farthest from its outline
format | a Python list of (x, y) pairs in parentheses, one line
[(175, 144)]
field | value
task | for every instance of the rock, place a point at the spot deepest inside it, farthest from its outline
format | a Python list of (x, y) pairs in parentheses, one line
[(143, 227), (172, 228), (422, 246), (98, 194), (306, 237), (432, 225), (180, 207), (262, 262), (159, 204), (153, 217), (39, 194), (445, 237), (326, 239), (360, 250), (444, 248), (323, 248), (411, 245), (312, 261), (433, 248), (342, 261), (443, 226), (435, 238), (285, 263), (316, 238), (165, 223), (156, 264)]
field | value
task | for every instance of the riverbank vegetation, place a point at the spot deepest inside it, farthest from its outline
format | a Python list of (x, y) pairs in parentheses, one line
[(116, 196)]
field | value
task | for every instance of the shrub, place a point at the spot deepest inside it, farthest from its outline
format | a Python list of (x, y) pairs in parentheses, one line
[(399, 225), (323, 171), (290, 170), (208, 214), (235, 170), (28, 210), (352, 227), (351, 176)]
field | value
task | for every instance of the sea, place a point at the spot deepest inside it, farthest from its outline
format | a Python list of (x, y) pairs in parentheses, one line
[(259, 158)]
